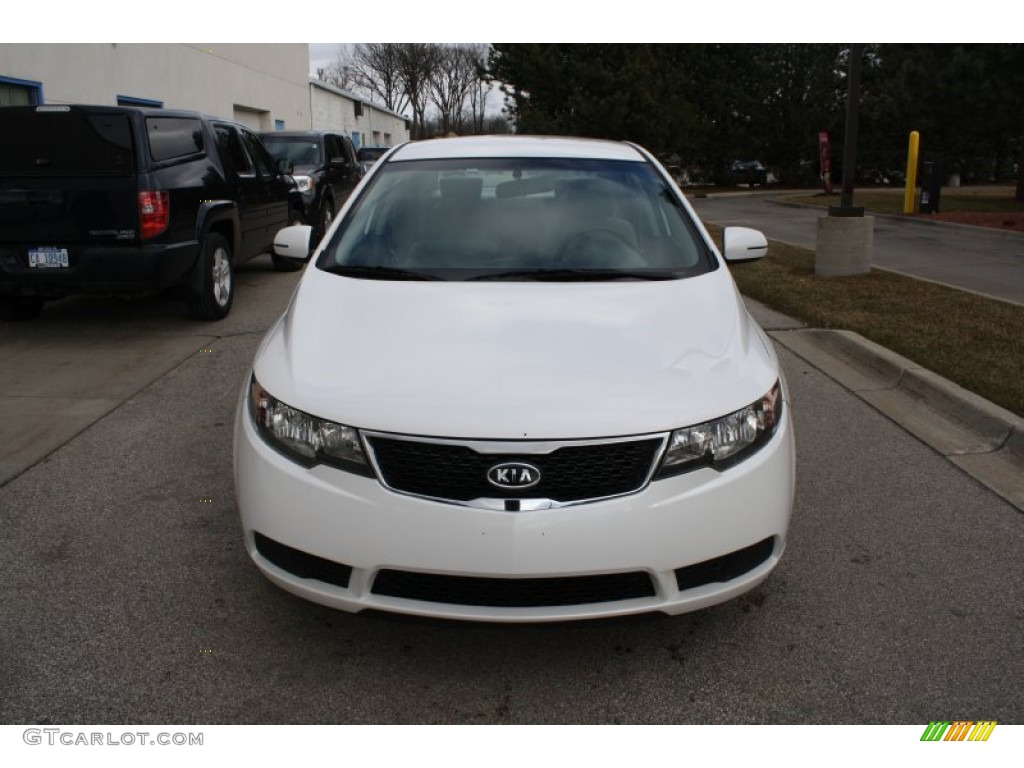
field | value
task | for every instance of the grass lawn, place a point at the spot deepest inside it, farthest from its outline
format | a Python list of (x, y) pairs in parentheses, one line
[(974, 341)]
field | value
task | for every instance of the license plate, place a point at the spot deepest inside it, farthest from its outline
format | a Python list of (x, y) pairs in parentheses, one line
[(48, 257)]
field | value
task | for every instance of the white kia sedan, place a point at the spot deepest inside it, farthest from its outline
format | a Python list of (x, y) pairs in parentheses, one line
[(516, 382)]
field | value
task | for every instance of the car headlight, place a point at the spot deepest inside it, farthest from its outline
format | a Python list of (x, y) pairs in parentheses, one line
[(304, 438), (725, 441), (305, 183)]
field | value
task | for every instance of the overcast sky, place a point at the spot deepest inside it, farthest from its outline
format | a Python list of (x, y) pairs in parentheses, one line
[(322, 54)]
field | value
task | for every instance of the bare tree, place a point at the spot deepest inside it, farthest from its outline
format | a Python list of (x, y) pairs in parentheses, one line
[(481, 87), (496, 124), (339, 72), (378, 72), (451, 83), (413, 77), (397, 75), (416, 63), (337, 75)]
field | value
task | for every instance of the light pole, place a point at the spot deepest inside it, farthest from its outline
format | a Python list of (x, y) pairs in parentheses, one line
[(845, 207), (846, 235)]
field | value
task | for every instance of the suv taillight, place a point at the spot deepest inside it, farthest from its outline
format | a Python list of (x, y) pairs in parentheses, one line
[(154, 213)]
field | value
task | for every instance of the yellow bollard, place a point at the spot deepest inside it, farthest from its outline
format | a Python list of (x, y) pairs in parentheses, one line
[(908, 194)]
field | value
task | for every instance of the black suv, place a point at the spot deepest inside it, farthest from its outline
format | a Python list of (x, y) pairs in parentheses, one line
[(127, 201), (326, 171), (749, 172), (370, 155)]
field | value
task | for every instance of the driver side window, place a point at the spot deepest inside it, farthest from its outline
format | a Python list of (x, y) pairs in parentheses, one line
[(231, 150), (265, 166)]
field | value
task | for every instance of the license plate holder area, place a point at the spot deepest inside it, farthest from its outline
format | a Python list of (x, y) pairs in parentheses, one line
[(48, 258)]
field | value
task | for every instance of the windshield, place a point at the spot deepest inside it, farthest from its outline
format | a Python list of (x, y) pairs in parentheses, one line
[(517, 219), (300, 151)]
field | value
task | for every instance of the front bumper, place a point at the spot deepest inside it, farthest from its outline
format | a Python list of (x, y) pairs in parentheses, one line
[(307, 204), (360, 535)]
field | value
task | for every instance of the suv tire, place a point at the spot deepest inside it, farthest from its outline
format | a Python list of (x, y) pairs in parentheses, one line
[(326, 217), (19, 308), (213, 287)]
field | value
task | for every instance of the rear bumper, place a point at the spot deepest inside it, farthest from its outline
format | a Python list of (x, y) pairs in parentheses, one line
[(98, 269)]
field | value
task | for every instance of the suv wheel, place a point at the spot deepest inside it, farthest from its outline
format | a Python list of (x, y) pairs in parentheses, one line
[(326, 217), (19, 307), (213, 287)]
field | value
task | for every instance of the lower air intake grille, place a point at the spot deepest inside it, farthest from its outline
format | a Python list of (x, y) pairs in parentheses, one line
[(513, 593), (303, 564), (726, 567)]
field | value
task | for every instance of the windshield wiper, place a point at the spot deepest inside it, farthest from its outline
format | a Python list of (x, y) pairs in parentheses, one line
[(579, 275), (363, 271)]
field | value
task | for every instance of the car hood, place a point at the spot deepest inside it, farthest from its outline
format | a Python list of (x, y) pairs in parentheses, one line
[(516, 360)]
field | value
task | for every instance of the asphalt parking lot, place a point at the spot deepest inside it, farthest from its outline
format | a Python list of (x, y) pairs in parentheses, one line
[(985, 261), (128, 596)]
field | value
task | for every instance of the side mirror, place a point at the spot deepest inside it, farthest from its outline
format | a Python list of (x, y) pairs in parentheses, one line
[(293, 242), (741, 244), (286, 166)]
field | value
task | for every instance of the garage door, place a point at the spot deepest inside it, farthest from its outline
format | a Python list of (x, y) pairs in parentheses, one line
[(252, 119)]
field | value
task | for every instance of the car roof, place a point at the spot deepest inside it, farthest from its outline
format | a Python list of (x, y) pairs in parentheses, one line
[(517, 146)]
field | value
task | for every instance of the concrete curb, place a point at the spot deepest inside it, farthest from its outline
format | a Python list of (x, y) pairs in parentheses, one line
[(981, 438)]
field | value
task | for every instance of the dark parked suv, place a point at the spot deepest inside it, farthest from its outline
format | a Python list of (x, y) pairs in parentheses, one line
[(370, 155), (127, 201), (326, 171), (749, 172)]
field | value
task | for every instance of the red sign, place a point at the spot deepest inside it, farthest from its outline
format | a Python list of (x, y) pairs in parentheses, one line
[(826, 162)]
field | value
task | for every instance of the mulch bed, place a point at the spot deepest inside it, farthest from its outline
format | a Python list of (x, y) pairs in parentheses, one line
[(1010, 221)]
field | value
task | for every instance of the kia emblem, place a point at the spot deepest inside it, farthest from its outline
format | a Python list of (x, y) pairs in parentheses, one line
[(513, 475)]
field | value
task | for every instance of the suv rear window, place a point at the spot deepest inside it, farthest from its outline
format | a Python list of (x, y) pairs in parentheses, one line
[(301, 150), (58, 141), (174, 137)]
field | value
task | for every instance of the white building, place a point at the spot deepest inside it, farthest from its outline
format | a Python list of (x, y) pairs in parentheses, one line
[(369, 125), (265, 86), (262, 86)]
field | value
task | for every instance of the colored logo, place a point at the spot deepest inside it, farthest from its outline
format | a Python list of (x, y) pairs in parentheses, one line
[(958, 730)]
